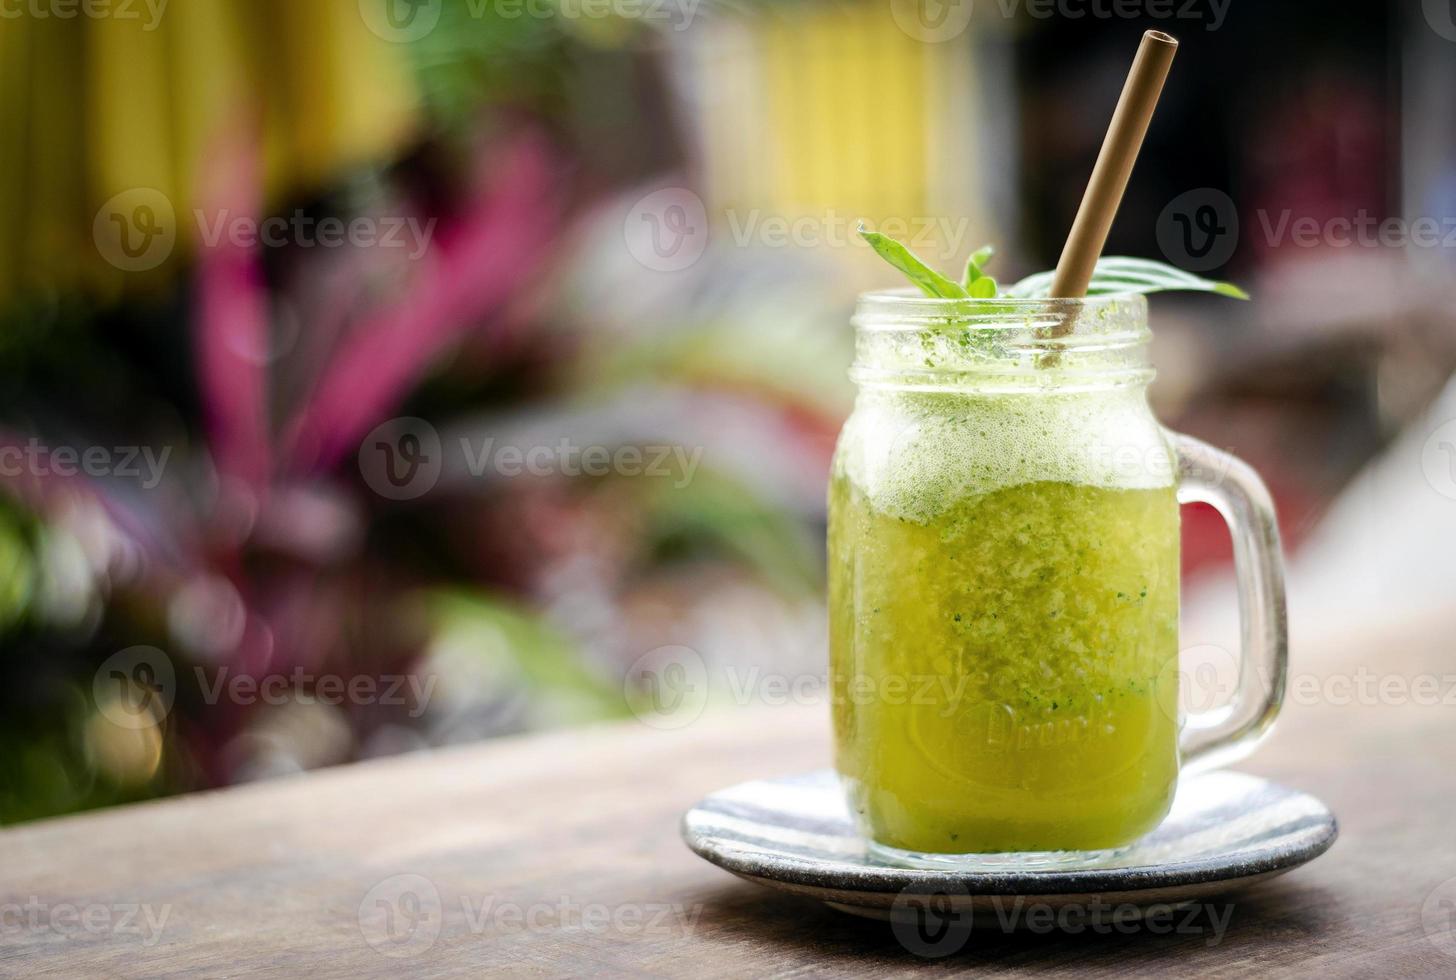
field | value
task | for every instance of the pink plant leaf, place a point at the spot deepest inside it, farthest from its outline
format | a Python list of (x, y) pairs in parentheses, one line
[(231, 316), (474, 266)]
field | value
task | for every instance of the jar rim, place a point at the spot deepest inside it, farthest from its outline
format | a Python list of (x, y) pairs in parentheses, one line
[(906, 308), (910, 341)]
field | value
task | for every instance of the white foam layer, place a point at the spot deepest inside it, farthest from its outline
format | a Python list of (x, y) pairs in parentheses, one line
[(914, 454)]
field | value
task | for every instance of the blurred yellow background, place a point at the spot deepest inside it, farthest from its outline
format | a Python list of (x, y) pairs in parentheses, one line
[(382, 374)]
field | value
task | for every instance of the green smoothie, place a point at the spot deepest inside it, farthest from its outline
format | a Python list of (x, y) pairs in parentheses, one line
[(1003, 599)]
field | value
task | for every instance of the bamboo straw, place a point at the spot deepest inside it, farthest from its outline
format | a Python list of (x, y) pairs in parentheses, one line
[(1114, 164)]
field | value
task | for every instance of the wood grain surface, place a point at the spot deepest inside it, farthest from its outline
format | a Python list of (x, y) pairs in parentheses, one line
[(559, 856)]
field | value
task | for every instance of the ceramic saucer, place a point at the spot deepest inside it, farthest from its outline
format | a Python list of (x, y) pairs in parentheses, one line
[(1226, 830)]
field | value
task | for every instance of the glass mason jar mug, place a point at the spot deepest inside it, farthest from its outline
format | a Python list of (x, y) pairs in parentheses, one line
[(1003, 582)]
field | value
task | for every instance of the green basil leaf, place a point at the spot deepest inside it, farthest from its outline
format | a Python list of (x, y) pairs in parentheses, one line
[(932, 283), (983, 288), (975, 266), (1120, 274)]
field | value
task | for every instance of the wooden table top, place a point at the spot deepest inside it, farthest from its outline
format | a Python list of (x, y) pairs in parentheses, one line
[(559, 855)]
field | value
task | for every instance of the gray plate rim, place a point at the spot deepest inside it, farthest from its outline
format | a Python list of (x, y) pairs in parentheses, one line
[(876, 878)]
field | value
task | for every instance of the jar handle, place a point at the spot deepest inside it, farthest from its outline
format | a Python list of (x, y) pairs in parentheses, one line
[(1231, 731)]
